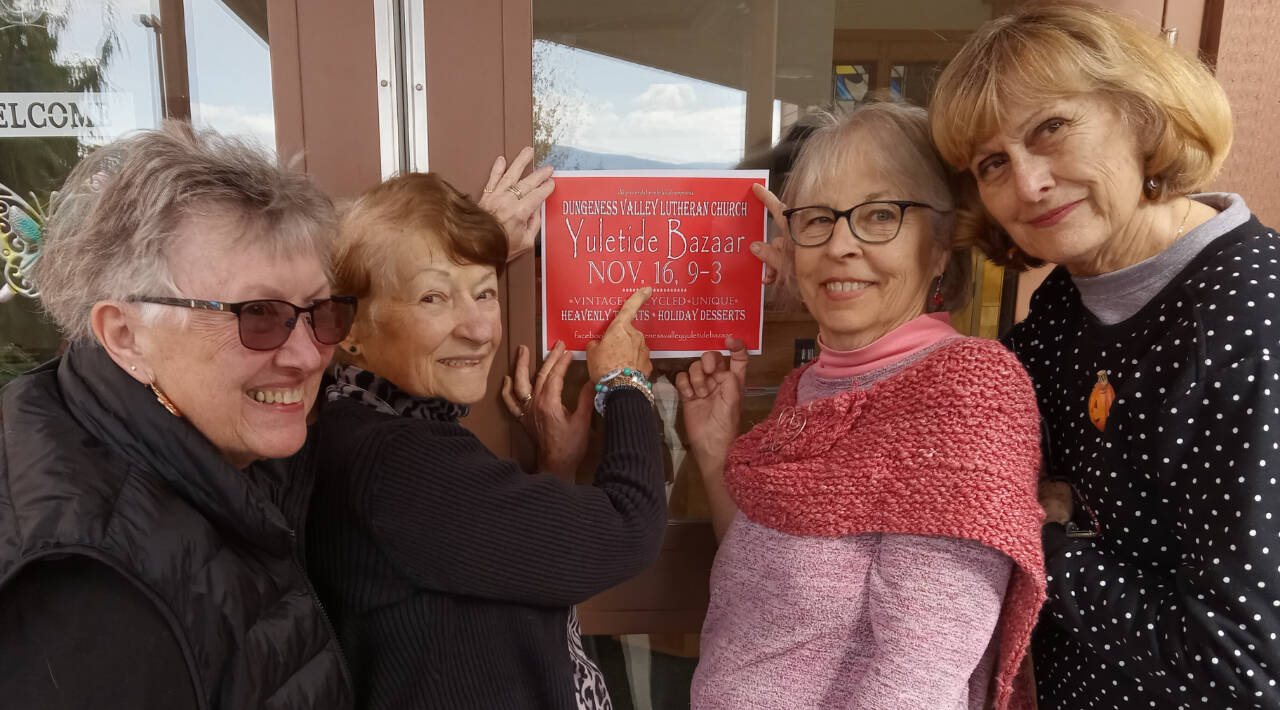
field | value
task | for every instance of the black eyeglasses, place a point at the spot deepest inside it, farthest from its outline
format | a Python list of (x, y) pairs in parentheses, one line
[(874, 222), (266, 324)]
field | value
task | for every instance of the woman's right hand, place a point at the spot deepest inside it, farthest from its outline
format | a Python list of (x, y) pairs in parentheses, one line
[(562, 435), (770, 252), (711, 396), (622, 345), (517, 201)]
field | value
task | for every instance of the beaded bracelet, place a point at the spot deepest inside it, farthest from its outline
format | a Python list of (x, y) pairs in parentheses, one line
[(624, 377)]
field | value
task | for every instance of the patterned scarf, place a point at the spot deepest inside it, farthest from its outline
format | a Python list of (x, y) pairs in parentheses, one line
[(381, 394)]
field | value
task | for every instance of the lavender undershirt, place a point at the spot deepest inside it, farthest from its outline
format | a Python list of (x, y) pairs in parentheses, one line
[(866, 622), (1116, 296)]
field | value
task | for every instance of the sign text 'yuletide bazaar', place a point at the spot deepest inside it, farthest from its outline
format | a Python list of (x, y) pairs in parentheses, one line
[(606, 234)]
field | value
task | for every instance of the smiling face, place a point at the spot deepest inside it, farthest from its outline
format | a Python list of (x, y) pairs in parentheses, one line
[(1064, 179), (250, 404), (435, 328), (859, 292)]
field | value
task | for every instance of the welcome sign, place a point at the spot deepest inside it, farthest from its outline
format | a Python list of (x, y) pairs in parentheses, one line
[(52, 114), (685, 233)]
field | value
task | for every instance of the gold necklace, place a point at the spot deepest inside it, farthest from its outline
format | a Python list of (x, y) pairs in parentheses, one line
[(1183, 223)]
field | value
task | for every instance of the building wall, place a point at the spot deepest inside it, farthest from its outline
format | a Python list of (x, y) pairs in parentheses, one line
[(1247, 67)]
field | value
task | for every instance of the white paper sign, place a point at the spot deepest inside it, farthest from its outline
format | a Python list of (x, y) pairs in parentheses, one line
[(76, 114)]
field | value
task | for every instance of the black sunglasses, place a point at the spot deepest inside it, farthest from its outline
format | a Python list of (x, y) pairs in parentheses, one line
[(266, 324)]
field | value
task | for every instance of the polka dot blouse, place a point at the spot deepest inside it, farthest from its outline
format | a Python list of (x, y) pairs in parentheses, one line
[(1177, 603)]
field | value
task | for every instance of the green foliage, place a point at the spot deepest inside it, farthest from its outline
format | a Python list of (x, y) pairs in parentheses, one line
[(29, 62), (553, 106)]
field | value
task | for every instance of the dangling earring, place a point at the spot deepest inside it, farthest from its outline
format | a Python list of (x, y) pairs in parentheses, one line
[(1151, 188), (937, 294), (164, 400)]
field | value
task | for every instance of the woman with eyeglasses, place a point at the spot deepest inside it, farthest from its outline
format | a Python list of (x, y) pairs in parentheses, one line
[(452, 573), (150, 550), (879, 531)]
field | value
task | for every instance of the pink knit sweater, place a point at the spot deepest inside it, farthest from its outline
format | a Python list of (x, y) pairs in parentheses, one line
[(851, 578)]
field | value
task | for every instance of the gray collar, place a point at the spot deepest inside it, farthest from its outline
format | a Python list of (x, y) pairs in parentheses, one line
[(1117, 296)]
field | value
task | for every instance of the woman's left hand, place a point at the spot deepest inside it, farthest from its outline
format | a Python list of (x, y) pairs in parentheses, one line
[(517, 202), (562, 435)]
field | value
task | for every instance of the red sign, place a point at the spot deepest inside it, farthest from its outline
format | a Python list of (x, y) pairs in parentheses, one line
[(686, 233)]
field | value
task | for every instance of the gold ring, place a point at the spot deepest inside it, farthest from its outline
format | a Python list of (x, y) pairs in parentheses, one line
[(515, 191), (488, 189)]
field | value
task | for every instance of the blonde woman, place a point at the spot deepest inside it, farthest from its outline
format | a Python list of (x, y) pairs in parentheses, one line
[(1151, 349)]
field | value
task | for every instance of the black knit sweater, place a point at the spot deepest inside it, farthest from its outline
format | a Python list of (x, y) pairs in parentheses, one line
[(450, 572), (1175, 605)]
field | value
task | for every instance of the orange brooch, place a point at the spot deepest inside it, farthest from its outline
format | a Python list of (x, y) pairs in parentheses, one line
[(1100, 400)]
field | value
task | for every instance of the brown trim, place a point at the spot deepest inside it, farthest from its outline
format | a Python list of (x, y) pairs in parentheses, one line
[(254, 14), (887, 47), (173, 60), (948, 36), (339, 95), (521, 306), (286, 81), (670, 596), (324, 92), (1211, 32), (762, 62)]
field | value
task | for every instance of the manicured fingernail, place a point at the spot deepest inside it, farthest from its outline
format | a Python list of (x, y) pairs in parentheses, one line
[(756, 247)]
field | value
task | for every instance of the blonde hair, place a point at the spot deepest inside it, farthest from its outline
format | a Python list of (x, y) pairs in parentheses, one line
[(894, 138), (1048, 51), (120, 210)]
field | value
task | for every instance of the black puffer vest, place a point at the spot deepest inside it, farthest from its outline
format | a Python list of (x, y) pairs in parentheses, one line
[(91, 465)]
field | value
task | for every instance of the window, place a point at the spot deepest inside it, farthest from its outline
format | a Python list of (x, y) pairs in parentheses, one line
[(75, 75)]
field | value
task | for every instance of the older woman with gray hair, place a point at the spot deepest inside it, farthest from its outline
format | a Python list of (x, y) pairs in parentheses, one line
[(149, 556), (880, 544)]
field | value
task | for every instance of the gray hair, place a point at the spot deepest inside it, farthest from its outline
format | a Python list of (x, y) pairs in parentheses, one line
[(117, 216), (894, 137)]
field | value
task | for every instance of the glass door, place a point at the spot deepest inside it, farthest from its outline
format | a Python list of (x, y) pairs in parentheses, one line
[(673, 85), (75, 75)]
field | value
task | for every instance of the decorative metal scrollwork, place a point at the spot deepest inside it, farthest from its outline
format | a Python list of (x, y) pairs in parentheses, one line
[(21, 235)]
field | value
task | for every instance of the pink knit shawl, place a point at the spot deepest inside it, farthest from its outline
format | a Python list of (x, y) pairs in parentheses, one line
[(948, 446)]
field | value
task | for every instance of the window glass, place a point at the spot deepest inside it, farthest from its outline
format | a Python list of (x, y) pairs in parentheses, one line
[(77, 74), (671, 84)]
